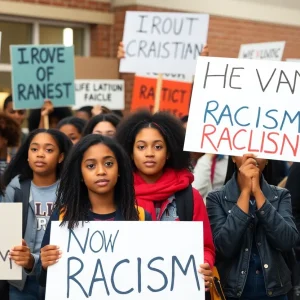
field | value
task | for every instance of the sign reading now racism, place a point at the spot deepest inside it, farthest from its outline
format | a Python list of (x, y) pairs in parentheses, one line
[(163, 42), (175, 93), (109, 93), (42, 72), (262, 51), (140, 260), (241, 106), (10, 236)]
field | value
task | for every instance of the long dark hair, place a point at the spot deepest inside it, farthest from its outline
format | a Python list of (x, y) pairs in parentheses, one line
[(72, 196), (19, 164), (168, 126)]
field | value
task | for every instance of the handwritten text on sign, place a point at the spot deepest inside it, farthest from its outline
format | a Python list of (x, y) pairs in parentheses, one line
[(111, 260), (109, 93), (163, 42), (175, 95), (242, 106), (10, 236), (42, 72), (263, 51)]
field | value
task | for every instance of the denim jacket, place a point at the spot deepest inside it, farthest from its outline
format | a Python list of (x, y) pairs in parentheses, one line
[(233, 231)]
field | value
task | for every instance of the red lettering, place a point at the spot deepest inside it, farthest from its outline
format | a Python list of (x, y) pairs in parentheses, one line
[(262, 142), (234, 137), (273, 141), (250, 144), (225, 136), (204, 134), (294, 149)]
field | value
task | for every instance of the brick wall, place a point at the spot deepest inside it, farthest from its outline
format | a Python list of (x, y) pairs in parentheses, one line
[(224, 38)]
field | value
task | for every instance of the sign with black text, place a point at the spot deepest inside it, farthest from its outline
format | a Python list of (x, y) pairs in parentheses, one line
[(40, 73), (109, 93), (163, 42), (242, 106), (10, 236), (127, 260)]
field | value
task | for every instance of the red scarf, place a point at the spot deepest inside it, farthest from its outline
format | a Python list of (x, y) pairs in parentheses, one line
[(167, 185)]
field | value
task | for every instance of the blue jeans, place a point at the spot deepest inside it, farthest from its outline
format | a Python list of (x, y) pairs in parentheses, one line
[(31, 291)]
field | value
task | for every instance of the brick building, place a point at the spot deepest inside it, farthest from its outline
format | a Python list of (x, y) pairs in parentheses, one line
[(98, 25)]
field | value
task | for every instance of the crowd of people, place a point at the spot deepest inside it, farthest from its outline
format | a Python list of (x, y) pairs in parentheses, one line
[(94, 164)]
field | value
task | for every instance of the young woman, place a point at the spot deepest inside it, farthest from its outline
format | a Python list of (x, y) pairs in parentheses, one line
[(155, 145), (96, 185), (252, 226), (72, 127), (35, 171), (84, 113), (104, 124)]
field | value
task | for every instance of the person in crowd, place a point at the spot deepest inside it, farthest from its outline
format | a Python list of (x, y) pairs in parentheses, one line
[(154, 143), (72, 127), (184, 121), (36, 116), (293, 186), (10, 133), (252, 227), (210, 173), (34, 172), (84, 113), (104, 124), (96, 185)]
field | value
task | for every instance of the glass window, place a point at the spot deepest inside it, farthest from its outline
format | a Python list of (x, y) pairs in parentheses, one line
[(13, 34), (55, 35), (5, 82)]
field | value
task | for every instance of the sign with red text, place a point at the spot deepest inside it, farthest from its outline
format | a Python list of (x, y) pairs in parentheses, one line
[(163, 42), (10, 236), (109, 93), (175, 93), (262, 51), (106, 260), (241, 106)]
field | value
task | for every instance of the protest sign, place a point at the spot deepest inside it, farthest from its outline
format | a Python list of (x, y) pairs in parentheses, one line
[(42, 72), (175, 95), (262, 51), (241, 106), (109, 93), (137, 260), (163, 42), (293, 60), (10, 236)]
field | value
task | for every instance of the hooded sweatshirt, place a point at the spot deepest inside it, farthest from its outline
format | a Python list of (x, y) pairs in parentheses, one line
[(158, 199)]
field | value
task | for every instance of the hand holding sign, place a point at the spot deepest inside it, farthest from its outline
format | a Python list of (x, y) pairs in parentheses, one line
[(50, 255), (207, 274), (121, 51), (22, 256)]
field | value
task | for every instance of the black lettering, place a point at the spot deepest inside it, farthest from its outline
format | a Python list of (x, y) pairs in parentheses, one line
[(21, 89), (167, 26), (155, 22), (60, 54), (22, 61), (232, 75), (34, 55), (141, 24), (191, 24), (206, 76), (261, 85)]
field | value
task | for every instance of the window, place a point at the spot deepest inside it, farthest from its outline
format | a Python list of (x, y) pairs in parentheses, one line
[(24, 31)]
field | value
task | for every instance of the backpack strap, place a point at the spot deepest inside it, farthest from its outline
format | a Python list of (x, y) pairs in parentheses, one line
[(22, 196), (185, 204)]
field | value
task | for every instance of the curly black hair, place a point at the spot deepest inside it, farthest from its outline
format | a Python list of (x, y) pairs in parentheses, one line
[(72, 196), (86, 109), (111, 118), (35, 116), (168, 126), (10, 130), (19, 164), (78, 123)]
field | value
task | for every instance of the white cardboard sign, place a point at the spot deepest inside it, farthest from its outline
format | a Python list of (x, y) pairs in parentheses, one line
[(241, 106), (263, 51), (10, 236), (109, 93), (170, 77), (127, 260), (163, 42)]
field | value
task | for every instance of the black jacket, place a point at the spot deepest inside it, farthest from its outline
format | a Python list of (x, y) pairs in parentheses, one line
[(233, 231)]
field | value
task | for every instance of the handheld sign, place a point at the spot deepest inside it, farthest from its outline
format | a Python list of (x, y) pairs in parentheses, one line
[(10, 236), (110, 93), (163, 42), (262, 51), (175, 93), (132, 260), (241, 106), (42, 72)]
